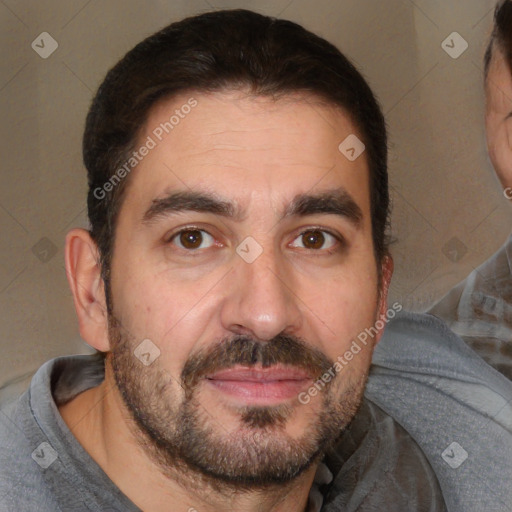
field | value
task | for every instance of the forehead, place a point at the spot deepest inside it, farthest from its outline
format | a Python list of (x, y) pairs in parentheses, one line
[(248, 148)]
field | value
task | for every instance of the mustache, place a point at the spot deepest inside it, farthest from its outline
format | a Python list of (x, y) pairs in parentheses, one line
[(283, 349)]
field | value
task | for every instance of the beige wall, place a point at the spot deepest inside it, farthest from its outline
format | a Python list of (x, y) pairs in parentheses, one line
[(442, 183)]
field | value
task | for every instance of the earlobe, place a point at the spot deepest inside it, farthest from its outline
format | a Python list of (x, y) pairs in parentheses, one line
[(84, 277)]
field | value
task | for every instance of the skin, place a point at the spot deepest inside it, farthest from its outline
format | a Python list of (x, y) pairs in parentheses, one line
[(498, 118), (258, 154)]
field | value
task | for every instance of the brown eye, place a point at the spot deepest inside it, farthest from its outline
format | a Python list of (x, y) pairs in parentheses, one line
[(193, 239), (313, 239)]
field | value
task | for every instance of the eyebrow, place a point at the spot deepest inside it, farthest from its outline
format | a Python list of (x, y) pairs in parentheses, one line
[(336, 202), (188, 201)]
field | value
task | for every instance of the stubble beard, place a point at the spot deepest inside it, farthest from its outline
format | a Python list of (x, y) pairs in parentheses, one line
[(190, 446)]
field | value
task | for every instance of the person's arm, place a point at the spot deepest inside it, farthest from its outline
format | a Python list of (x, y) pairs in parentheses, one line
[(456, 407)]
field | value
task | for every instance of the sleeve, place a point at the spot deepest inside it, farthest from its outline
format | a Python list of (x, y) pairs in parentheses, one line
[(454, 405)]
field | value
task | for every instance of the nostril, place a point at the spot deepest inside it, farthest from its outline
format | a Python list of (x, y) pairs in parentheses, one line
[(241, 330)]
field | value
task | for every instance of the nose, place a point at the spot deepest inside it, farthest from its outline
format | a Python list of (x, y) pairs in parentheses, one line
[(261, 301)]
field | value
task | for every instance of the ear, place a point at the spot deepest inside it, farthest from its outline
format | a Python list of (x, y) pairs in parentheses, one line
[(84, 277), (387, 267)]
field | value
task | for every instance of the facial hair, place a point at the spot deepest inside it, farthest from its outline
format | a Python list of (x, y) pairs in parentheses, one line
[(175, 429)]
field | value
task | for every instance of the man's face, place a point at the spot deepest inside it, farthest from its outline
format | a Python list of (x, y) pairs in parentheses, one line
[(251, 279), (498, 118)]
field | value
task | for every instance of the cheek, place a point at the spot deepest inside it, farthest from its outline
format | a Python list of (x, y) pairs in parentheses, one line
[(499, 147), (168, 312), (344, 309), (500, 154), (157, 296)]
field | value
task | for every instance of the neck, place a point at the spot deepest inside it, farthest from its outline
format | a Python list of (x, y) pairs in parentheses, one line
[(110, 437)]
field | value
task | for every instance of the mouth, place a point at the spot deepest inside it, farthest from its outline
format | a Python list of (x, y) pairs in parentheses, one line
[(260, 386)]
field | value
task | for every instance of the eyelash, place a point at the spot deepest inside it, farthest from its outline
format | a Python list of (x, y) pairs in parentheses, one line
[(341, 242), (176, 234)]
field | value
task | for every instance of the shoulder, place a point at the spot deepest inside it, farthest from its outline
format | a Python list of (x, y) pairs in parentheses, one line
[(22, 486), (378, 466), (419, 346), (455, 406)]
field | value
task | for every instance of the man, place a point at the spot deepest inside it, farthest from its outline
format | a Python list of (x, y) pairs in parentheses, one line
[(237, 253), (464, 424), (479, 309)]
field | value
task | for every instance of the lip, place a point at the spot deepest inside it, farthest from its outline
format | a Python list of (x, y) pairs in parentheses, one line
[(260, 386)]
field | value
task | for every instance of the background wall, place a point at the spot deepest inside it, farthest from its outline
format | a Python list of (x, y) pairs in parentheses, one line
[(449, 213)]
